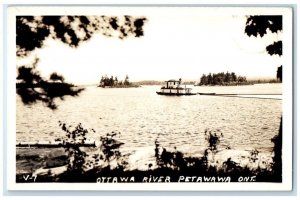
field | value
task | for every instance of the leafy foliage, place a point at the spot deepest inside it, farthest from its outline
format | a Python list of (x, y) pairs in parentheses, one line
[(175, 160), (103, 156), (110, 148), (275, 48), (56, 77), (72, 143), (32, 87), (32, 31), (229, 166), (168, 159), (259, 24), (277, 158), (279, 73), (170, 163), (254, 154), (213, 138)]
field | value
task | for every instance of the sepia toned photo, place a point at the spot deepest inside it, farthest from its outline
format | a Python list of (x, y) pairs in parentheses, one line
[(151, 95)]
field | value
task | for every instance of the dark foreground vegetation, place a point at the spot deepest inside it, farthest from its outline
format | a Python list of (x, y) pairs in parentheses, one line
[(33, 31), (106, 163), (32, 87)]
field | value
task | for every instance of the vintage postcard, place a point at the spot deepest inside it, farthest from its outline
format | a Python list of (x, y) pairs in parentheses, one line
[(149, 98)]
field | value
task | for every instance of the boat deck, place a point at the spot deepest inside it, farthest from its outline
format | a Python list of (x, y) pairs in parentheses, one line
[(176, 94)]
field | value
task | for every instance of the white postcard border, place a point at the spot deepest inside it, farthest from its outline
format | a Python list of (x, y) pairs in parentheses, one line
[(286, 185)]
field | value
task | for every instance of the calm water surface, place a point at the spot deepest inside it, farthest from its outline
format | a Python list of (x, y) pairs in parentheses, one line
[(142, 116)]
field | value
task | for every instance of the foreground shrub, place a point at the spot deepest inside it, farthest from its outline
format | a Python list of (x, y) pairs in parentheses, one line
[(107, 160)]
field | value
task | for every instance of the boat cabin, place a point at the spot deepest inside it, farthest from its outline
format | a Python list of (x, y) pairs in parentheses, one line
[(173, 87), (170, 84)]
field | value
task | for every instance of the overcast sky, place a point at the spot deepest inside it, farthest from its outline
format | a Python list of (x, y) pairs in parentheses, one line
[(175, 45)]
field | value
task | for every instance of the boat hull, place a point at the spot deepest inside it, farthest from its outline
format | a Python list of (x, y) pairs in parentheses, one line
[(175, 94)]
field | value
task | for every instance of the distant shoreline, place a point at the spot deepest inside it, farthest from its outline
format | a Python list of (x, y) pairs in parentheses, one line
[(120, 86), (160, 83), (245, 83)]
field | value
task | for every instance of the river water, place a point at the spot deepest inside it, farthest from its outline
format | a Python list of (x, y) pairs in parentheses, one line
[(142, 116)]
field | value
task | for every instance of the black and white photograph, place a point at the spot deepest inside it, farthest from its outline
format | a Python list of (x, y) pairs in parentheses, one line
[(151, 97)]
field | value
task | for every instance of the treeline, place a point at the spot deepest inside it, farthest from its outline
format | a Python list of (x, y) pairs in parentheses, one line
[(260, 81), (111, 81), (222, 79)]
